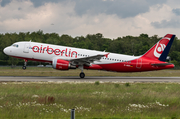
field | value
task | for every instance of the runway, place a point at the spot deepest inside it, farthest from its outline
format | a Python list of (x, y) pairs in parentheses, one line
[(90, 79)]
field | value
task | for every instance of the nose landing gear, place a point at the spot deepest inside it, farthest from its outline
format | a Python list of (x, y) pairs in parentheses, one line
[(25, 63)]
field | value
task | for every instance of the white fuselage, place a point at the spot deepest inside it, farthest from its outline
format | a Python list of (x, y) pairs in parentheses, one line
[(47, 52)]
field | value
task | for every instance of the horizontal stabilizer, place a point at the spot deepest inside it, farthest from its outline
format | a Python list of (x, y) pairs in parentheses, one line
[(161, 64)]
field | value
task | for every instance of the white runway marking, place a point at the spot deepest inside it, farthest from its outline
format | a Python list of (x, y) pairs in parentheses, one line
[(89, 79)]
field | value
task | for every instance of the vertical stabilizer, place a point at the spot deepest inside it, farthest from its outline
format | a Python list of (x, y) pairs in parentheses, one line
[(161, 49)]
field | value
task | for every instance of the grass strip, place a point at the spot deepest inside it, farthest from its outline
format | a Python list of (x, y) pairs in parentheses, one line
[(90, 100)]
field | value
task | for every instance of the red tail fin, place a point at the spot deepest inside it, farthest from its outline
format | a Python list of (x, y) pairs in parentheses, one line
[(161, 49)]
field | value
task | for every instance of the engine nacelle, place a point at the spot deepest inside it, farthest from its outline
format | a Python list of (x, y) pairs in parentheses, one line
[(62, 64)]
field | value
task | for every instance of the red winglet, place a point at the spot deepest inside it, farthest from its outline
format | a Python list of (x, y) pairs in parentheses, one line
[(106, 55)]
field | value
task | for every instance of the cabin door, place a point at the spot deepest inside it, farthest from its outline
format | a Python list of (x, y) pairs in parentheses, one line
[(139, 63), (26, 48)]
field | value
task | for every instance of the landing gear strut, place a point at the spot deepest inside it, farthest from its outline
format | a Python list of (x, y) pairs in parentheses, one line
[(25, 63), (82, 74)]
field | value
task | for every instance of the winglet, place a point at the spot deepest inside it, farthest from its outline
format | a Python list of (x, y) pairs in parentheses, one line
[(106, 55)]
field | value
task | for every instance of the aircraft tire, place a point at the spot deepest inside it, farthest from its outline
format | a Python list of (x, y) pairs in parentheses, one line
[(82, 75), (24, 67)]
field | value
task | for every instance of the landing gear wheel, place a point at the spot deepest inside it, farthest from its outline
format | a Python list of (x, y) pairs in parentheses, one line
[(24, 67), (82, 75)]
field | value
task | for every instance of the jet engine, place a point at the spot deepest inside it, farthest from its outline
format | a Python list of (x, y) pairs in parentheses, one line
[(62, 64)]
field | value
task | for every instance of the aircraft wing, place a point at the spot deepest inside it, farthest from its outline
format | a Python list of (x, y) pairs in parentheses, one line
[(87, 60)]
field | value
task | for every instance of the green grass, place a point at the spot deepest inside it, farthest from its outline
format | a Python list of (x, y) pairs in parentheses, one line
[(106, 100), (34, 71), (91, 100)]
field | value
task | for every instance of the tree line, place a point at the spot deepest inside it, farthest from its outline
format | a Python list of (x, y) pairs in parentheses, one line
[(130, 45)]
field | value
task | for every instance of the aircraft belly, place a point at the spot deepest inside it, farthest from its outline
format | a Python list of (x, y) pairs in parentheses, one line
[(119, 67)]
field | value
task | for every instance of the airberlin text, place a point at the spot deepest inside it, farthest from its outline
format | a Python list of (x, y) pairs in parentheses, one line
[(66, 52)]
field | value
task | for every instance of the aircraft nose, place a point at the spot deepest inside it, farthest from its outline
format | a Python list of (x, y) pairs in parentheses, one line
[(6, 50)]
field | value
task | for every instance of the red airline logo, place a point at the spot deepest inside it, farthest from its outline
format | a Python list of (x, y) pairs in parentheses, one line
[(66, 52), (161, 45)]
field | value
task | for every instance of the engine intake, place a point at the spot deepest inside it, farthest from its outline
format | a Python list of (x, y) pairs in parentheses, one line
[(62, 64)]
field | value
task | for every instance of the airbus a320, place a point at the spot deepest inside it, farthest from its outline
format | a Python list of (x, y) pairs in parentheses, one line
[(64, 58)]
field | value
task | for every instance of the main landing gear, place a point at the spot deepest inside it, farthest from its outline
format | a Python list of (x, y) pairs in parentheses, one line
[(82, 74), (25, 63)]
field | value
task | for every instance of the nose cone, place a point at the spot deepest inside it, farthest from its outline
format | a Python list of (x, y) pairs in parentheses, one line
[(6, 50)]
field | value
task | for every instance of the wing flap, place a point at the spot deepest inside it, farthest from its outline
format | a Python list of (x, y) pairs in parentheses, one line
[(87, 60)]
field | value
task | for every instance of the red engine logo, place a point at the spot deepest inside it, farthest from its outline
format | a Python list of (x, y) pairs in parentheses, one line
[(60, 64)]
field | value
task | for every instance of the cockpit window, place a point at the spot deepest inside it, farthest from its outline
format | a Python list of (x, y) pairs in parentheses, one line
[(15, 45)]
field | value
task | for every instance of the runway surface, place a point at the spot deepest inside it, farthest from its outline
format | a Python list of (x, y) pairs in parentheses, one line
[(88, 79)]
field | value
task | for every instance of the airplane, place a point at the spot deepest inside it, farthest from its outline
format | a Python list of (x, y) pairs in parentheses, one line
[(64, 57)]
